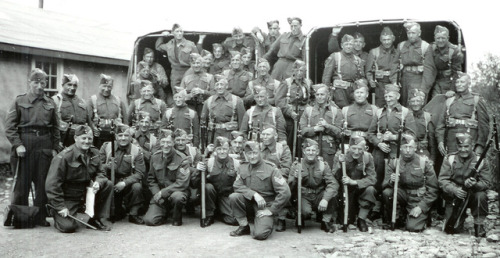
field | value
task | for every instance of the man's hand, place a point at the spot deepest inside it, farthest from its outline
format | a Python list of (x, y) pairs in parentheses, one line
[(384, 147), (442, 149), (20, 151), (211, 147), (157, 197), (393, 178), (294, 115), (261, 203), (478, 150), (263, 213), (165, 33), (336, 31), (95, 187), (373, 84), (461, 194), (54, 153), (388, 136), (119, 186), (201, 166), (341, 157), (470, 182), (319, 128), (64, 212), (348, 181), (415, 212), (323, 204), (201, 38)]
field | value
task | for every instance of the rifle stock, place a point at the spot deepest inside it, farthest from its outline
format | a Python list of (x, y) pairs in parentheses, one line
[(299, 198), (203, 196), (396, 181), (346, 188)]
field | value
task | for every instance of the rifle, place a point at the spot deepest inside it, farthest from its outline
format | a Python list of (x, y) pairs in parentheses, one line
[(374, 77), (497, 147), (396, 181), (460, 205), (203, 207), (299, 197), (66, 136), (400, 68), (112, 158), (296, 125), (212, 132), (320, 142), (346, 188), (203, 129), (75, 218)]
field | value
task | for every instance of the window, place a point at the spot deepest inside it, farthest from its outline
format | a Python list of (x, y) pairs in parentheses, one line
[(53, 68)]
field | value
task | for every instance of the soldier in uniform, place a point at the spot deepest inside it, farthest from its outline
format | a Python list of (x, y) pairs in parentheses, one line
[(72, 110), (464, 113), (261, 114), (199, 85), (222, 112), (144, 77), (157, 72), (263, 40), (247, 63), (238, 41), (288, 48), (32, 127), (148, 103), (73, 171), (343, 68), (360, 179), (238, 78), (263, 79), (221, 174), (182, 117), (448, 60), (321, 122), (358, 116), (106, 109), (417, 189), (319, 186), (293, 96), (359, 44), (382, 65), (417, 63), (221, 62), (178, 50), (129, 169), (168, 182), (237, 142), (425, 137), (278, 153), (457, 178), (145, 138), (259, 187)]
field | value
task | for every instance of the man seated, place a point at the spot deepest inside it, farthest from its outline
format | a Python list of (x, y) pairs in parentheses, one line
[(129, 171), (259, 186), (71, 172)]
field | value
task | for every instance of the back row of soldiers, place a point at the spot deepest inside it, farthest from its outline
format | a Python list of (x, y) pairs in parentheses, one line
[(208, 111)]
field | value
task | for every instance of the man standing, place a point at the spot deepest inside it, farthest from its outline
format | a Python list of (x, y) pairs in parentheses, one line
[(425, 137), (417, 188), (263, 79), (106, 110), (360, 179), (417, 63), (238, 41), (178, 50), (169, 183), (263, 40), (32, 127), (182, 117), (288, 48), (71, 173), (72, 110), (199, 85), (129, 168), (259, 186), (222, 112), (262, 114), (464, 113), (456, 178), (343, 68), (237, 78), (319, 186), (382, 65)]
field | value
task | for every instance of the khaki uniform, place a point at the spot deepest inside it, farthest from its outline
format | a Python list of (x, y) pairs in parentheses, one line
[(238, 81), (32, 122), (224, 112), (182, 118), (103, 111), (256, 117), (271, 85), (70, 173), (265, 179), (447, 62), (382, 65), (288, 48), (358, 117), (154, 107), (418, 186), (219, 65), (204, 81), (230, 44), (426, 141), (71, 109)]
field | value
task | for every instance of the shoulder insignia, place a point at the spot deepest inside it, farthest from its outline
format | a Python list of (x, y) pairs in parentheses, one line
[(184, 171), (280, 180), (270, 163)]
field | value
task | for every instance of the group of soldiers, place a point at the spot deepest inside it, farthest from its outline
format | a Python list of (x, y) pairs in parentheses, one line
[(250, 138)]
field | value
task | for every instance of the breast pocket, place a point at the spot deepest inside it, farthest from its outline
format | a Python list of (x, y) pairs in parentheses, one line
[(76, 172), (25, 110), (417, 176), (184, 55), (260, 182)]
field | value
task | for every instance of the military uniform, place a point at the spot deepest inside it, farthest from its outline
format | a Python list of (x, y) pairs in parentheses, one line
[(426, 141), (224, 113), (265, 179), (447, 62), (287, 48), (157, 75), (219, 65), (130, 169), (271, 85), (103, 111), (418, 186), (220, 179), (238, 81), (291, 93), (463, 113), (343, 69), (231, 45), (256, 117), (318, 183), (310, 118), (202, 80), (381, 69), (358, 118), (154, 107), (71, 110), (182, 118), (170, 175), (71, 172), (194, 156), (32, 122), (391, 122), (417, 62)]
